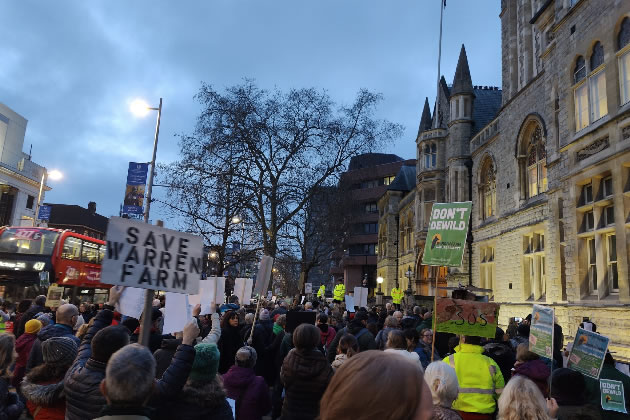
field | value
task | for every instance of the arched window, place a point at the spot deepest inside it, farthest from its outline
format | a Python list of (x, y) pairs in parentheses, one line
[(488, 190), (579, 72), (623, 39), (536, 164), (597, 57), (597, 84)]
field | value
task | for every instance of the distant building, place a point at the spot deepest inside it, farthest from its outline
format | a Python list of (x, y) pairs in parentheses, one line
[(20, 178), (78, 219)]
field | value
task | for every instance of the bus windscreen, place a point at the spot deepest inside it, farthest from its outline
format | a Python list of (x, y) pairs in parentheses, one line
[(30, 241)]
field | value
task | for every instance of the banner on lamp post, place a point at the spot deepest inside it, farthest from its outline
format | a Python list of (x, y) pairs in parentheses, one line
[(134, 192), (446, 238)]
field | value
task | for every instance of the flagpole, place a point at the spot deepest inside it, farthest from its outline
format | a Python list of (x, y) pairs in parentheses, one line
[(437, 107)]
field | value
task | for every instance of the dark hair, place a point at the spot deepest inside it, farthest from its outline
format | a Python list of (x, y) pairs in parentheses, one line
[(523, 330), (348, 345), (24, 305), (471, 339), (452, 343), (225, 322), (498, 335), (412, 334), (40, 300), (233, 299), (306, 337), (396, 340), (107, 341), (131, 324), (323, 318)]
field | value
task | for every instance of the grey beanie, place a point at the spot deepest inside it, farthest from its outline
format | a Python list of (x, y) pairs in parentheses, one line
[(246, 357), (59, 351)]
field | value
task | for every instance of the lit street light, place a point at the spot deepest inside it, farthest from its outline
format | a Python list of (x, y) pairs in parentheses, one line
[(55, 175), (379, 294)]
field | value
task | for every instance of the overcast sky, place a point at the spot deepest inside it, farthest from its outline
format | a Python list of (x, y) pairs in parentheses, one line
[(72, 68)]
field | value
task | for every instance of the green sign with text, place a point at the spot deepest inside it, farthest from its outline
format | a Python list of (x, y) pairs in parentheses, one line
[(446, 238)]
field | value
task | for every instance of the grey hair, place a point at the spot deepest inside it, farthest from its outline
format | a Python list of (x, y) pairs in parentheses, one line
[(129, 375), (442, 381), (249, 318), (391, 322)]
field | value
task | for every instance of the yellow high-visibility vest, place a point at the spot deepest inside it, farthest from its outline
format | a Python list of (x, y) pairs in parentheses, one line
[(340, 292), (397, 295), (322, 291)]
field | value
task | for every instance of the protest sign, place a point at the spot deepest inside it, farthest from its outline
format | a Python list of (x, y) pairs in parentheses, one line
[(263, 275), (447, 233), (612, 396), (308, 288), (151, 257), (360, 296), (296, 318), (588, 352), (541, 331), (243, 290), (131, 302), (349, 303), (177, 313), (467, 317), (53, 297), (211, 293)]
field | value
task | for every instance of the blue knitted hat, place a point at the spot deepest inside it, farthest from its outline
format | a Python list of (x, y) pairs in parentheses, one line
[(206, 363)]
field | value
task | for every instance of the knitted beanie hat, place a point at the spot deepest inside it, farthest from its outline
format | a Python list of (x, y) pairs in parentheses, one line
[(246, 357), (32, 327), (59, 351), (206, 362), (264, 315)]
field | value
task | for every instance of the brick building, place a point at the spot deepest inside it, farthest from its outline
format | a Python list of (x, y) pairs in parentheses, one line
[(550, 173)]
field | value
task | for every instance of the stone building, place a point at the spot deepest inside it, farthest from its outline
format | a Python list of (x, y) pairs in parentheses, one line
[(549, 170)]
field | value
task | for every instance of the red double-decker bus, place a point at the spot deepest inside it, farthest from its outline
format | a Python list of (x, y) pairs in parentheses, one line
[(31, 257)]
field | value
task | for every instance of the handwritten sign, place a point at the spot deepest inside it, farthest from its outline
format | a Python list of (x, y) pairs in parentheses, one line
[(541, 331), (467, 317), (588, 352), (151, 257), (53, 298)]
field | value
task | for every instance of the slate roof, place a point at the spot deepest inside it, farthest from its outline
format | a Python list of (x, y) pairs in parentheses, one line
[(486, 106), (367, 160), (73, 215), (405, 179)]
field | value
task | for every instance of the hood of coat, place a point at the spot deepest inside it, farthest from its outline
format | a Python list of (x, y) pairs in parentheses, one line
[(170, 343), (42, 394), (307, 365), (537, 370), (238, 377), (206, 395), (24, 340), (55, 330)]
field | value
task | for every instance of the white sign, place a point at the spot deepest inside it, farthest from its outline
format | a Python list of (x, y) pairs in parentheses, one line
[(360, 296), (131, 302), (264, 275), (151, 257), (243, 290), (308, 288), (177, 313), (211, 293), (349, 303)]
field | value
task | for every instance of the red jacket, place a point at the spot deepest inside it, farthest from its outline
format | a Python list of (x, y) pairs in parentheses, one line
[(45, 400), (328, 336), (23, 346)]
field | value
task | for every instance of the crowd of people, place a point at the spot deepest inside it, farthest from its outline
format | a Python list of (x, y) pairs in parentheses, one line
[(243, 363)]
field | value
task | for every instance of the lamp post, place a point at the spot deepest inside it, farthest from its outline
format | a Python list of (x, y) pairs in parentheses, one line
[(379, 294), (140, 108), (409, 291), (235, 221), (54, 175)]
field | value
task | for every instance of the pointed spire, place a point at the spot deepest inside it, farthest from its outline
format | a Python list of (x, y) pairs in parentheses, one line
[(425, 120), (462, 82)]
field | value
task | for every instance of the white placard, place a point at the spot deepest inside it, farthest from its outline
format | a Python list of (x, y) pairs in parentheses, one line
[(194, 300), (360, 296), (349, 303), (151, 257), (177, 313), (308, 288), (243, 290), (264, 275), (212, 292), (131, 302)]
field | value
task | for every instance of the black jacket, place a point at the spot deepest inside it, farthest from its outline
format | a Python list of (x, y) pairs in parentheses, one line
[(228, 345), (263, 338), (10, 405), (365, 339), (28, 315), (164, 355), (198, 402)]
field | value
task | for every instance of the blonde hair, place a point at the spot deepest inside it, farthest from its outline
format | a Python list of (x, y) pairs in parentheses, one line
[(522, 400), (442, 381)]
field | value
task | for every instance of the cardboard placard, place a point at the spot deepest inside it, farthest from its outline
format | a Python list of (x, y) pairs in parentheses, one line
[(263, 276), (360, 296), (612, 396), (541, 331), (211, 293), (588, 352), (296, 318), (467, 317), (177, 313), (446, 237), (243, 290), (349, 303), (53, 297), (131, 302)]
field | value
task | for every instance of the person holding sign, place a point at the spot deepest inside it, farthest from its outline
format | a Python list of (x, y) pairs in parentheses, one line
[(568, 388), (611, 392)]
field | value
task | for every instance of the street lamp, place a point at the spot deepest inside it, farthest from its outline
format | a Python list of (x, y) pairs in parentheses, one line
[(55, 175), (140, 108), (235, 221), (409, 291), (379, 294)]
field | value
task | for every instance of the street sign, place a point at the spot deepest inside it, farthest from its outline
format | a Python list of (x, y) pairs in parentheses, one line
[(447, 233), (44, 212), (308, 288), (152, 257)]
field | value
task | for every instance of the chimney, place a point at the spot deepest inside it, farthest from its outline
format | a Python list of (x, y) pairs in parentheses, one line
[(92, 208)]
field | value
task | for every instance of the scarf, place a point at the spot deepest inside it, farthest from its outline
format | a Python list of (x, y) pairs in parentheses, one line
[(276, 329)]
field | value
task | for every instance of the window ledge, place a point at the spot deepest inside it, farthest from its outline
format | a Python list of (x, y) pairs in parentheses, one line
[(590, 128)]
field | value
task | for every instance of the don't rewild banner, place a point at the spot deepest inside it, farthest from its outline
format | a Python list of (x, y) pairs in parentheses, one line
[(446, 238)]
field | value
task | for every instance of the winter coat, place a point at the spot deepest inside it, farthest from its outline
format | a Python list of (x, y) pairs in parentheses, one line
[(274, 356), (381, 337), (519, 339), (27, 316), (246, 331), (164, 355), (580, 412), (594, 392), (10, 405), (198, 402), (365, 339), (412, 356), (36, 358), (229, 343), (45, 398), (538, 372), (327, 334), (125, 413), (23, 346), (503, 354), (155, 339), (263, 338), (250, 392), (340, 359), (443, 413), (305, 375)]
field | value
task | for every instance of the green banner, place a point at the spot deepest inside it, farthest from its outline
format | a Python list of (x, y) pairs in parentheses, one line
[(612, 395), (541, 331), (467, 317), (588, 352), (446, 238)]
